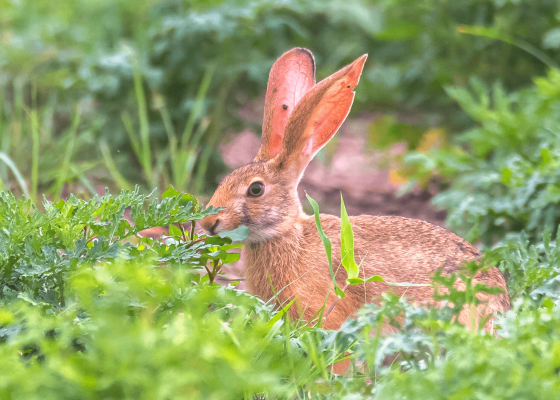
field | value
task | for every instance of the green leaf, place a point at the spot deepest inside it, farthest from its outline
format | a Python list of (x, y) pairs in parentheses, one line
[(231, 257), (347, 243), (355, 281), (170, 192), (378, 278), (552, 39), (326, 243), (279, 314), (497, 34), (185, 198), (237, 235), (174, 231)]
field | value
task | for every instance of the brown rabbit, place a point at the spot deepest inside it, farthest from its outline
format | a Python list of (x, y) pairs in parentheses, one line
[(283, 252)]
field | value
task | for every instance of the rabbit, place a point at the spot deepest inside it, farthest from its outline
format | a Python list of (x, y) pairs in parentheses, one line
[(283, 253)]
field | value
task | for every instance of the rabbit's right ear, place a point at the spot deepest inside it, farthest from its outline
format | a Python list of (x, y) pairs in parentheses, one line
[(318, 116), (291, 77)]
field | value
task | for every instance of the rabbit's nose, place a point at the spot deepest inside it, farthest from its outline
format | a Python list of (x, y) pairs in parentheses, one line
[(214, 227), (210, 224)]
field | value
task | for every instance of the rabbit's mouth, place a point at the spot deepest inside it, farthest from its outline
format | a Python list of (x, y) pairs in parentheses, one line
[(261, 233)]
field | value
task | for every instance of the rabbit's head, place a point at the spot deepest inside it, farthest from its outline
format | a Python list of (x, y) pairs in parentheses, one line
[(300, 117)]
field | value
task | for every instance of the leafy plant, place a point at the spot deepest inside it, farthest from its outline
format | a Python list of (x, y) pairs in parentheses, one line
[(507, 180), (521, 365), (529, 266), (131, 329), (38, 249), (92, 308)]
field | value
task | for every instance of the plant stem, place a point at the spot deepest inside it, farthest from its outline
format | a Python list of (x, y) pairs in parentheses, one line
[(333, 305), (193, 225), (61, 290), (182, 229)]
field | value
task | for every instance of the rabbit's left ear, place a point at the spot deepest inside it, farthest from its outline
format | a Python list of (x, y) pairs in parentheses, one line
[(319, 114), (291, 76)]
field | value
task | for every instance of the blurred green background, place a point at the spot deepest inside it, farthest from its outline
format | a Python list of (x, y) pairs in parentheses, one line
[(114, 93)]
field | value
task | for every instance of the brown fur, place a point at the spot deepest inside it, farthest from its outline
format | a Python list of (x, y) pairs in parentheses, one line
[(284, 248)]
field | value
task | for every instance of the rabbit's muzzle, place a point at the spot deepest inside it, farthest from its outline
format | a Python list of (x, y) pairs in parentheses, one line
[(211, 224)]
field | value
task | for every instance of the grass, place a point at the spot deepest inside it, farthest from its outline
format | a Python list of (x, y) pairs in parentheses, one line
[(54, 160), (31, 146), (176, 164)]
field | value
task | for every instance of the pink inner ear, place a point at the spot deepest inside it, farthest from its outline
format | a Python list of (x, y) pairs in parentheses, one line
[(334, 106), (329, 116), (290, 79)]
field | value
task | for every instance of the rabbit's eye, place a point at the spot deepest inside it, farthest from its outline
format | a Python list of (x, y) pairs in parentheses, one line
[(256, 189)]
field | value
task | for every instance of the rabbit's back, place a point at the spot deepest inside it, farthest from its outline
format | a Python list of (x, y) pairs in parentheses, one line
[(403, 249), (398, 249)]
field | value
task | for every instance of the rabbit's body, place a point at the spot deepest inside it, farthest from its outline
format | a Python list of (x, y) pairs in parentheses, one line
[(283, 253), (399, 249)]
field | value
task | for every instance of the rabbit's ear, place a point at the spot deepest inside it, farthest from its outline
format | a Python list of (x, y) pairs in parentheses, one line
[(319, 114), (291, 76)]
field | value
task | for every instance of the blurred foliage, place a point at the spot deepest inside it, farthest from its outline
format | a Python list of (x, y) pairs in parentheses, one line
[(532, 269), (505, 172), (135, 330), (522, 365), (104, 54)]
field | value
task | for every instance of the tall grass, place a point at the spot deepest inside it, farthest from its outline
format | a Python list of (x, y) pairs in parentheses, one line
[(35, 157), (174, 165)]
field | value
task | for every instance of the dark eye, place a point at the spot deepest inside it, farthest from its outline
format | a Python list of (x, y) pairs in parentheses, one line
[(256, 189)]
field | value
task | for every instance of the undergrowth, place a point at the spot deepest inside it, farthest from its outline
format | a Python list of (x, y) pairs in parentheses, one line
[(93, 309)]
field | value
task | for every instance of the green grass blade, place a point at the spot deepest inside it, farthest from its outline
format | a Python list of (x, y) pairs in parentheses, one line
[(326, 243), (204, 159), (34, 155), (213, 137), (85, 181), (174, 159), (196, 111), (146, 158), (347, 243), (280, 314), (112, 167), (8, 161), (493, 33), (128, 127), (4, 134), (62, 174)]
